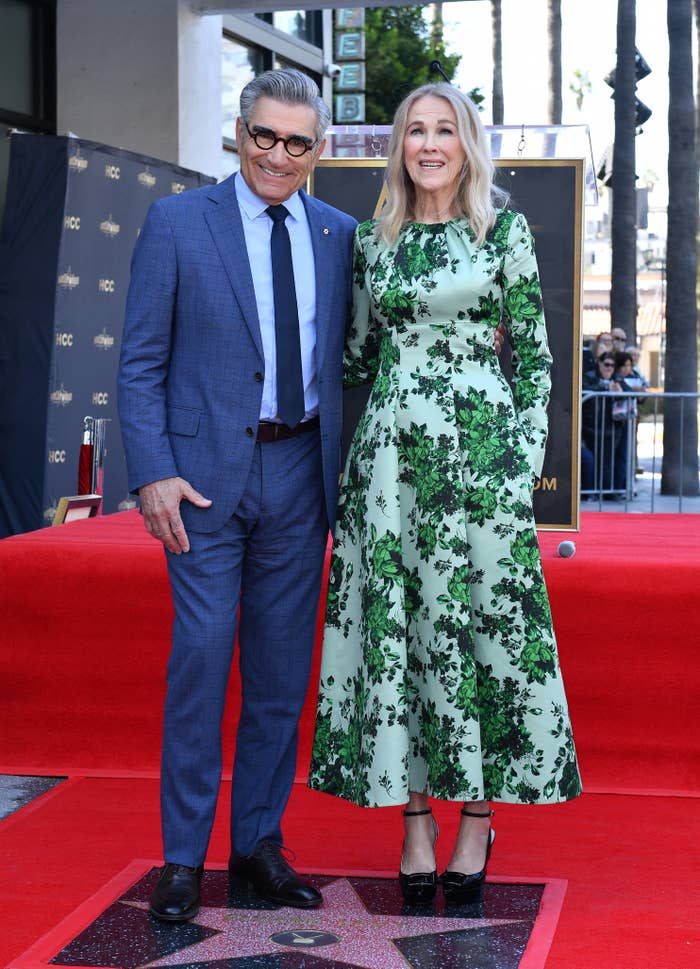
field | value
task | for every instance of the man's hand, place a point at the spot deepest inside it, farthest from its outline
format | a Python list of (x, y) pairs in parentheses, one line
[(160, 505), (498, 338)]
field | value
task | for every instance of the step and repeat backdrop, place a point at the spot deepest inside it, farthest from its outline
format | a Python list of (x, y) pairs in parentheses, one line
[(73, 212)]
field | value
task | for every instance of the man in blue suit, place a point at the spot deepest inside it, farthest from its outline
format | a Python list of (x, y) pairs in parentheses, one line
[(241, 500)]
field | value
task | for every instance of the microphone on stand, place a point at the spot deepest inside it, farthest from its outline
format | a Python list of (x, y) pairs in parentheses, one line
[(435, 67)]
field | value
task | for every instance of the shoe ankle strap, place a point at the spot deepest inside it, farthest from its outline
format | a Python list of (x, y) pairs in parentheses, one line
[(477, 814), (415, 814)]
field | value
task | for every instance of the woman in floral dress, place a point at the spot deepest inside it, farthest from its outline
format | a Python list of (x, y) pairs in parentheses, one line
[(440, 675)]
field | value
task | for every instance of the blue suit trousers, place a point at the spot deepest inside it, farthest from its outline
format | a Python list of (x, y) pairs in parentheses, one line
[(268, 560)]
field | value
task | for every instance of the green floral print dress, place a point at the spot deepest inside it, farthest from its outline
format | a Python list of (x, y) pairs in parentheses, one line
[(440, 670)]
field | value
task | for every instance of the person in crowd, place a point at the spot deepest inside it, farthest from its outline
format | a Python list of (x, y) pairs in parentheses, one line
[(588, 351), (619, 339), (230, 397), (587, 472), (629, 377), (440, 676), (624, 412), (624, 371), (637, 380), (599, 432), (604, 344), (635, 353)]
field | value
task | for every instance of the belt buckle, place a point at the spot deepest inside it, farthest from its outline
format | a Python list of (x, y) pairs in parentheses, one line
[(271, 431)]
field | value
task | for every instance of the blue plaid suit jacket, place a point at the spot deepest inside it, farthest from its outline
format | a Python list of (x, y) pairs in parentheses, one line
[(188, 391)]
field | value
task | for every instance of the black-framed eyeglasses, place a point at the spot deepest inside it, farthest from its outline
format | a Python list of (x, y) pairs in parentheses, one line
[(295, 145)]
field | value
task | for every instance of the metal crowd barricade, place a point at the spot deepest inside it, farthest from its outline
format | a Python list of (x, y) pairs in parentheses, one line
[(614, 450)]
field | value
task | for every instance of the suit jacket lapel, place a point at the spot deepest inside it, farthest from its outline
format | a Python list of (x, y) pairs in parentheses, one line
[(321, 240), (224, 221)]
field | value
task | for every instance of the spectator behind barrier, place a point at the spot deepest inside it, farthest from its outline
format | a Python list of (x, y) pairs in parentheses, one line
[(599, 432)]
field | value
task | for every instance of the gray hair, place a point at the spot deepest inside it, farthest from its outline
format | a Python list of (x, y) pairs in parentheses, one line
[(291, 87)]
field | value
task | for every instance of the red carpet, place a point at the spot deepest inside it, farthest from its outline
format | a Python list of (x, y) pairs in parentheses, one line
[(86, 623), (82, 652), (631, 884)]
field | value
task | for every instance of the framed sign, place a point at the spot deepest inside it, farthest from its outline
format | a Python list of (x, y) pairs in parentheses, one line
[(550, 194), (73, 508)]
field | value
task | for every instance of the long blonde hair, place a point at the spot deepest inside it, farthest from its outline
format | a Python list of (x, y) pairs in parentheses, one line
[(475, 193)]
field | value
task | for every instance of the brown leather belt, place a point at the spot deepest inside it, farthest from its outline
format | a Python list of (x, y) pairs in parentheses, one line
[(269, 431)]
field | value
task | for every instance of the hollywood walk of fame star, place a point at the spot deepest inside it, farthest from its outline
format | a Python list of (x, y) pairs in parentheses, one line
[(366, 940)]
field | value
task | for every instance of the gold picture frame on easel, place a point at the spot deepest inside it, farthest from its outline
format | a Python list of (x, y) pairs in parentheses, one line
[(550, 193), (73, 508)]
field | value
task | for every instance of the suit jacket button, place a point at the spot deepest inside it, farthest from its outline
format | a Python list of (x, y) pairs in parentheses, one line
[(259, 377), (249, 431)]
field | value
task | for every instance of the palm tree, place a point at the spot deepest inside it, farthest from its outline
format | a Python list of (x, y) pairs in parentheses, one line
[(554, 74), (681, 442), (696, 10), (581, 85), (623, 290), (554, 35), (437, 26), (497, 46)]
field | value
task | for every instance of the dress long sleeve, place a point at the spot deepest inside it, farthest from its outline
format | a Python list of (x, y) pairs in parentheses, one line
[(361, 357), (532, 360)]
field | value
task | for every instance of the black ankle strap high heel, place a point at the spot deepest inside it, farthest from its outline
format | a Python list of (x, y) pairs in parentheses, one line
[(419, 887), (458, 888)]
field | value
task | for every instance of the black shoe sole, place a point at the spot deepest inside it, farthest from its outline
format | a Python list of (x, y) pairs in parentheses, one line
[(163, 917), (465, 897), (287, 902), (242, 878), (418, 899)]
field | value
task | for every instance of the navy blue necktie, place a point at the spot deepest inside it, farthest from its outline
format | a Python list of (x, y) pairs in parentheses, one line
[(290, 383)]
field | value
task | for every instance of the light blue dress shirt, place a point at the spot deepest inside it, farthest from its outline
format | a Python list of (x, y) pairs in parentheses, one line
[(257, 229)]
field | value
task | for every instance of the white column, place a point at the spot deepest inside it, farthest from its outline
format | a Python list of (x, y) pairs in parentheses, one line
[(141, 76), (200, 115)]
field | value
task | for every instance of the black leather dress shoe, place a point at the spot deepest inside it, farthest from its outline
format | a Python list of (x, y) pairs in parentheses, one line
[(176, 896), (273, 877)]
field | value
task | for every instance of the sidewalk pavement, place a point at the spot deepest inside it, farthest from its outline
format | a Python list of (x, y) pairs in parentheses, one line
[(646, 497)]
